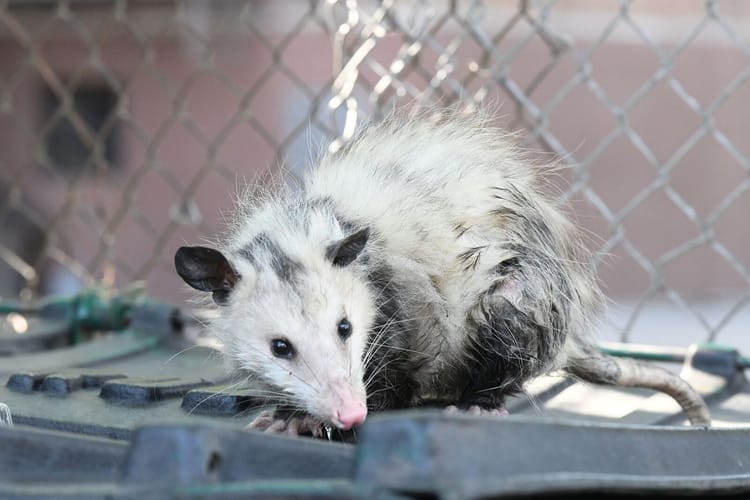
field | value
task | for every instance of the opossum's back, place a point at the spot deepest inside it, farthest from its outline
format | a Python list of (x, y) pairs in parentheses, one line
[(420, 184)]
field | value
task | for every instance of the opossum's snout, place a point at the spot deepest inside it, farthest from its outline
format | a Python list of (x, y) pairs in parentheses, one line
[(343, 405), (350, 413)]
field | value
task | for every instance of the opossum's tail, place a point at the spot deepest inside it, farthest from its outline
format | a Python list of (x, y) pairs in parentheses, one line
[(625, 372)]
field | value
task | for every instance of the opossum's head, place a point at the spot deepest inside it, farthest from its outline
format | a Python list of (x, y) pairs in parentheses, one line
[(297, 318)]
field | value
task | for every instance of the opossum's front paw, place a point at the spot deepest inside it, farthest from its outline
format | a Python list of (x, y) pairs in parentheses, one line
[(478, 410), (268, 422), (261, 422)]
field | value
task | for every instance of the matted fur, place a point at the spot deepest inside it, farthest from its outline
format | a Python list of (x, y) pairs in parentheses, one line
[(471, 283)]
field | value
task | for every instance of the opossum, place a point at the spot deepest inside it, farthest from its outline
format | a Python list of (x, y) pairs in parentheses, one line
[(422, 264)]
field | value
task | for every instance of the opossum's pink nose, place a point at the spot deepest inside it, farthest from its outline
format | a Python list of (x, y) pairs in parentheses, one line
[(350, 414)]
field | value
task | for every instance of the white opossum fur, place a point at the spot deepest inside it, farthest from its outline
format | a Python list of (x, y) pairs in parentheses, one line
[(421, 264)]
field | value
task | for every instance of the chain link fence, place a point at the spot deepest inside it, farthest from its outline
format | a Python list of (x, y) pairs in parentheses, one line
[(126, 128)]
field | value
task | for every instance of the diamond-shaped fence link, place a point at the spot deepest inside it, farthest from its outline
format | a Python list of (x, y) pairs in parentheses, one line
[(127, 128)]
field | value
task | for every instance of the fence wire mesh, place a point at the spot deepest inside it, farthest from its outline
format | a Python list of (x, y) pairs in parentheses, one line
[(127, 126)]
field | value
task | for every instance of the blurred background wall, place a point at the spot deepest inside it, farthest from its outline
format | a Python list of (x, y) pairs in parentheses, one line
[(126, 128)]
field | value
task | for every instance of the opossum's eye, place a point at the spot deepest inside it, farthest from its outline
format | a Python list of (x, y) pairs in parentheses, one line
[(282, 348), (345, 329)]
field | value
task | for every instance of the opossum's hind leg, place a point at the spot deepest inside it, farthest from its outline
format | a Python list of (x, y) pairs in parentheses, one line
[(506, 348), (601, 369)]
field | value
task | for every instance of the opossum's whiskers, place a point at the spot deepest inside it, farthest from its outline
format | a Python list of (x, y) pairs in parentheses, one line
[(379, 369), (373, 345), (276, 362), (376, 369), (221, 392), (376, 345), (179, 353), (269, 393), (382, 404), (387, 385), (265, 392)]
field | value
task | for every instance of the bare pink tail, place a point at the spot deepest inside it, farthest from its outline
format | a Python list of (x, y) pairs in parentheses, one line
[(625, 372)]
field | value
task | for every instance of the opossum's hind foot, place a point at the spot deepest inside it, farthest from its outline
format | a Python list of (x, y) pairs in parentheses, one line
[(478, 410), (268, 422), (600, 369)]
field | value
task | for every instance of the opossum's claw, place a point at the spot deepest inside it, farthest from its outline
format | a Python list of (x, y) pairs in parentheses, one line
[(315, 427), (305, 425), (277, 427), (261, 422), (478, 410), (267, 422), (493, 412), (293, 427)]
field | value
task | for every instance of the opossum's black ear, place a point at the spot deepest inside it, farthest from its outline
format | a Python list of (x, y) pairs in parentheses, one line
[(343, 252), (207, 270)]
